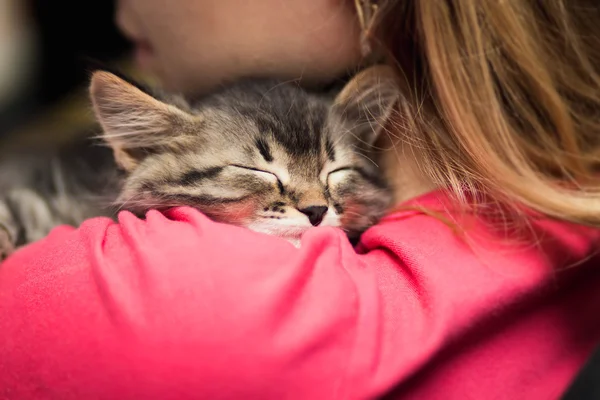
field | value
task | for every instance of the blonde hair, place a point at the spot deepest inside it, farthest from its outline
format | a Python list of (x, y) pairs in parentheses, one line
[(503, 97)]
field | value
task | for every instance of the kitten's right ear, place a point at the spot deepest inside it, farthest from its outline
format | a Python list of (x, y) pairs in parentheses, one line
[(368, 100), (134, 122)]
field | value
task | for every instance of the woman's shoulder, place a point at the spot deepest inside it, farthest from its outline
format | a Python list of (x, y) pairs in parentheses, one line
[(434, 225)]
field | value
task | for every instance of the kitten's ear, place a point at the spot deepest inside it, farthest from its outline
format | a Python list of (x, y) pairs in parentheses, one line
[(368, 101), (134, 123)]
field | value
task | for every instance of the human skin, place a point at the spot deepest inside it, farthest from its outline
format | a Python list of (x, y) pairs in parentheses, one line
[(193, 45)]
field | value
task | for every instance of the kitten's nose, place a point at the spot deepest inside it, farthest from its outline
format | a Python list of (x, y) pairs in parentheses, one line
[(315, 214)]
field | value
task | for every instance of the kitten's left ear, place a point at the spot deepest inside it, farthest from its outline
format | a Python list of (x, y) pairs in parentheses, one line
[(368, 101), (135, 123)]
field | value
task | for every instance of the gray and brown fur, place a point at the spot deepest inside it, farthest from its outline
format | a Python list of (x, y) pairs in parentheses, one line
[(258, 153)]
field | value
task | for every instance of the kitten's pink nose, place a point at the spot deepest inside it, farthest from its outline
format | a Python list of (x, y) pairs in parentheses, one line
[(315, 214)]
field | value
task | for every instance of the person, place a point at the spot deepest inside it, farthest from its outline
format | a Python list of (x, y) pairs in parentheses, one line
[(481, 283)]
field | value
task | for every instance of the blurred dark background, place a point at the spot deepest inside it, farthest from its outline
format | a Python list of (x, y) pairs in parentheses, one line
[(45, 48), (70, 31)]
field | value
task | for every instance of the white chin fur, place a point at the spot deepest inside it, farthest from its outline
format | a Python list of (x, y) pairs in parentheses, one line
[(294, 242), (290, 229), (331, 219)]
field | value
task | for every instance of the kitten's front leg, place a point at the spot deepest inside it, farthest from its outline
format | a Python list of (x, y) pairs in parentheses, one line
[(8, 231), (25, 217)]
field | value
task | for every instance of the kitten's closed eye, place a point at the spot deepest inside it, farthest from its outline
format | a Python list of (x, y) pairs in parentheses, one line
[(270, 176), (337, 175), (342, 173)]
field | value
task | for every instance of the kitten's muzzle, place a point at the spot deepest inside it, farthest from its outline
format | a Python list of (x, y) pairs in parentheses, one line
[(315, 214)]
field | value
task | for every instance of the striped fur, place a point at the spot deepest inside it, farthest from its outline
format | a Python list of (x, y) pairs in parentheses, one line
[(258, 153)]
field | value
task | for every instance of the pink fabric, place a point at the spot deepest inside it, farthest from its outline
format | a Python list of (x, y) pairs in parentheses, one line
[(179, 307)]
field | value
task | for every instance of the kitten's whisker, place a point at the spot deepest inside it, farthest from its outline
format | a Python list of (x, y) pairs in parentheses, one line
[(124, 203), (275, 87), (360, 154), (353, 213)]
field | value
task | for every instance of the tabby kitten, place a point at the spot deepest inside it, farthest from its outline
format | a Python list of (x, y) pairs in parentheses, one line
[(262, 154)]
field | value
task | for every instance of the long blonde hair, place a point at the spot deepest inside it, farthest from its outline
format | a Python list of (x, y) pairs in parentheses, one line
[(503, 97)]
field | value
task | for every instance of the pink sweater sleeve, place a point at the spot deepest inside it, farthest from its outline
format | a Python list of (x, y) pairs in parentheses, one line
[(182, 308), (179, 307)]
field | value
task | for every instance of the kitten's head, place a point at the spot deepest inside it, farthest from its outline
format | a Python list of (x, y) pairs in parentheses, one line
[(261, 154)]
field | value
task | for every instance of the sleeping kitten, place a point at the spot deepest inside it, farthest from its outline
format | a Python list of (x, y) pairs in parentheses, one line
[(266, 155)]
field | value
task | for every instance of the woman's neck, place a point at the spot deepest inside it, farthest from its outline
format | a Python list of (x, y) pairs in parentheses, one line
[(402, 169)]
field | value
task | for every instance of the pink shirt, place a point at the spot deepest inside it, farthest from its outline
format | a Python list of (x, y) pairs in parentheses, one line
[(179, 307)]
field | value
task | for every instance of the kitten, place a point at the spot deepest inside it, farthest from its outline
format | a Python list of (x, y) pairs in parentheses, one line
[(262, 154)]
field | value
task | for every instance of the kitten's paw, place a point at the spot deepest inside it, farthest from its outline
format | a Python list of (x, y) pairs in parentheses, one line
[(6, 244)]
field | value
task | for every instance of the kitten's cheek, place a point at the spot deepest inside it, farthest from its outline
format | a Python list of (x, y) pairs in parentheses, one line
[(235, 214), (337, 200), (353, 216)]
